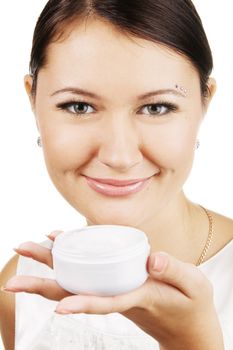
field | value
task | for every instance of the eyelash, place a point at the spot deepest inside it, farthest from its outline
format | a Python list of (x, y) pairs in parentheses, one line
[(170, 107)]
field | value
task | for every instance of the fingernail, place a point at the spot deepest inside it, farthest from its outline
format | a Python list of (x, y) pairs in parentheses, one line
[(23, 252), (56, 232), (159, 263), (52, 235), (62, 312), (48, 236)]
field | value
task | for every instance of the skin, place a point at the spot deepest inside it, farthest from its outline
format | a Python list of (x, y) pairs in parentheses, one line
[(119, 138)]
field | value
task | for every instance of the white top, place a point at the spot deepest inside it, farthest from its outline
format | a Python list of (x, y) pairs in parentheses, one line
[(39, 328)]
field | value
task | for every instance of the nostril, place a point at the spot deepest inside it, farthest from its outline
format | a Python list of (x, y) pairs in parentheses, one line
[(120, 163)]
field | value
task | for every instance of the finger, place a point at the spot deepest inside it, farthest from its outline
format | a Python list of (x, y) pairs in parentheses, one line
[(36, 251), (54, 234), (183, 276), (45, 287), (99, 305)]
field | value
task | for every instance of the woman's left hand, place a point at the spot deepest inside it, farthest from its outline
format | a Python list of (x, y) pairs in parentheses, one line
[(175, 304)]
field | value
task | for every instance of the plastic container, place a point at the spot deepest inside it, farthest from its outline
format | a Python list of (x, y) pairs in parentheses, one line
[(101, 260)]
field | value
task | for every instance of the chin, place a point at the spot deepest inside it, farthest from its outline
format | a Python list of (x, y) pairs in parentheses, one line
[(123, 220)]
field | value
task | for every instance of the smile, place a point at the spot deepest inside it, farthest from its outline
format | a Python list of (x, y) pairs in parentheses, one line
[(111, 187)]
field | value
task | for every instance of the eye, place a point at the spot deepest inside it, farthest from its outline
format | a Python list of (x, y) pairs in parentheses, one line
[(159, 109), (76, 107)]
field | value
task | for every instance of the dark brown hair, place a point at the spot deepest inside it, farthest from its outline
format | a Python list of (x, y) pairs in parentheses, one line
[(173, 23)]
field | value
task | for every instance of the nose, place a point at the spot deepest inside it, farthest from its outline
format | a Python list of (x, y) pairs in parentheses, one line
[(119, 146)]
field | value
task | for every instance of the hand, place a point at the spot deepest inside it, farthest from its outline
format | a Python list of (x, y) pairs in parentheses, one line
[(174, 305)]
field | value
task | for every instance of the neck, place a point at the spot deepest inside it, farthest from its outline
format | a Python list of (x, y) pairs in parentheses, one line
[(180, 229)]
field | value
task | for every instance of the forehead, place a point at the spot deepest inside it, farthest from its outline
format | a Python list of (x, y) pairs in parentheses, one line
[(95, 52)]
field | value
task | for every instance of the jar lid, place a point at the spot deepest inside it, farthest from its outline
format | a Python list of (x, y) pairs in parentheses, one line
[(97, 242)]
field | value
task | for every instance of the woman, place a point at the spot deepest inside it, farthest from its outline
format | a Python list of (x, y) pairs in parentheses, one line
[(119, 91)]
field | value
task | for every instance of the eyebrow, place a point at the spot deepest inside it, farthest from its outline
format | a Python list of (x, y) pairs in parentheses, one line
[(79, 91)]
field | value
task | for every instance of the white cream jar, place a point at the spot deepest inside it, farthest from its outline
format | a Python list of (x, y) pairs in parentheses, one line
[(101, 260)]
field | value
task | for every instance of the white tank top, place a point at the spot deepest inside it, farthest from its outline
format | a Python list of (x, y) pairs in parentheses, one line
[(37, 327)]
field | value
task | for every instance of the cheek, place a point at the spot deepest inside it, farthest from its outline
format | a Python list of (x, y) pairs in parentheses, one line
[(171, 146), (67, 147)]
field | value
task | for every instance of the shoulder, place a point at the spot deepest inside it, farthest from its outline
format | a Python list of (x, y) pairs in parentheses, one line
[(223, 225), (223, 230), (7, 305)]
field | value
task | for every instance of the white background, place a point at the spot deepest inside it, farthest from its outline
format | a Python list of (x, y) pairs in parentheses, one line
[(30, 205)]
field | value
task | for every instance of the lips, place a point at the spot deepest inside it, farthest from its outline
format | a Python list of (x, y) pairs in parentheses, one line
[(112, 187)]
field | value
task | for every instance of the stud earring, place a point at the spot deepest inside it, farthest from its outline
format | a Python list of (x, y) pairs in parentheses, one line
[(197, 144), (39, 143)]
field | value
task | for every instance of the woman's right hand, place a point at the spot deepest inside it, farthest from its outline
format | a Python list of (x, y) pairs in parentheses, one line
[(47, 288)]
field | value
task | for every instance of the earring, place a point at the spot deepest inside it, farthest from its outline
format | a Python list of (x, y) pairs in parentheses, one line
[(39, 143), (197, 144)]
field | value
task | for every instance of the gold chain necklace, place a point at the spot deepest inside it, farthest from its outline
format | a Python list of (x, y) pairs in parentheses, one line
[(209, 238)]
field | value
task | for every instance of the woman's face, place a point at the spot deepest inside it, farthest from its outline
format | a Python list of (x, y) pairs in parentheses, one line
[(110, 106)]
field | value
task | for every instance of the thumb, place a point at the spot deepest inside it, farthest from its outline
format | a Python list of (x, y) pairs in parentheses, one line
[(183, 276)]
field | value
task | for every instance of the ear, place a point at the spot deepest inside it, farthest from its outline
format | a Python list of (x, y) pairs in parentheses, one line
[(212, 87), (28, 83)]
